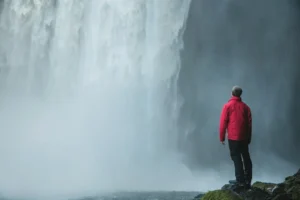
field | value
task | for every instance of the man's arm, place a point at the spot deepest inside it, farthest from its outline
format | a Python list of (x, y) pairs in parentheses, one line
[(223, 122), (249, 124)]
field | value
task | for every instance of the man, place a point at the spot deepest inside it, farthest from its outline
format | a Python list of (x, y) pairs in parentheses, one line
[(237, 120)]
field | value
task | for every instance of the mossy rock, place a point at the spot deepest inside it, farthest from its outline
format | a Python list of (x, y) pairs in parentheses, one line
[(294, 192), (282, 196), (292, 180), (292, 186), (279, 189), (255, 193), (221, 195), (268, 187)]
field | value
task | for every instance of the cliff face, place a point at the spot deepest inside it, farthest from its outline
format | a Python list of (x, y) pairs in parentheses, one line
[(289, 189), (254, 44)]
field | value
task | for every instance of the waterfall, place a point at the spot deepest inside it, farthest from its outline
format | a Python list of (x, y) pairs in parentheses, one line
[(88, 94)]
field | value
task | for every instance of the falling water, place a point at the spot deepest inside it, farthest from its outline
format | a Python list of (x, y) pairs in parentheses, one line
[(88, 95)]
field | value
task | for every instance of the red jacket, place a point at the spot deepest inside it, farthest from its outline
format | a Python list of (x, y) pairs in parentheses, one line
[(236, 118)]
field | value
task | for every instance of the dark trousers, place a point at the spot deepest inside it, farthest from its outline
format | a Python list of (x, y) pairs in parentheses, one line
[(239, 152)]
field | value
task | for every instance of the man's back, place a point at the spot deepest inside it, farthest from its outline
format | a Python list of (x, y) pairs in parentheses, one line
[(236, 118)]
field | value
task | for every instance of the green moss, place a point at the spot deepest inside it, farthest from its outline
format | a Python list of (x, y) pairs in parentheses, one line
[(221, 195), (292, 186), (268, 187)]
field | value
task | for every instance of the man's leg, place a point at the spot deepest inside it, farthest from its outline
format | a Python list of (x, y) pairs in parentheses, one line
[(247, 163), (235, 153)]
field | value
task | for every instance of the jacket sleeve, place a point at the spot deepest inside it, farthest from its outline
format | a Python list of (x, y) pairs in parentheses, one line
[(249, 124), (223, 122)]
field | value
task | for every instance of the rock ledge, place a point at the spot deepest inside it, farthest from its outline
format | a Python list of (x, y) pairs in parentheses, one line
[(289, 189)]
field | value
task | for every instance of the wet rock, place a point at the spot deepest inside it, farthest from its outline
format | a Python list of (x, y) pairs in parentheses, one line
[(294, 192), (221, 194), (287, 190), (255, 194), (292, 186), (234, 188), (268, 187)]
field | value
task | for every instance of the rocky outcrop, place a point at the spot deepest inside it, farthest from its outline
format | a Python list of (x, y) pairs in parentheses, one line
[(289, 189), (221, 194)]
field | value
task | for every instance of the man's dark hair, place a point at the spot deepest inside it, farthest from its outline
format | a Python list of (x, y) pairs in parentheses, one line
[(237, 91)]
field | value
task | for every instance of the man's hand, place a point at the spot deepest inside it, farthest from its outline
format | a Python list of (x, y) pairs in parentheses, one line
[(223, 142)]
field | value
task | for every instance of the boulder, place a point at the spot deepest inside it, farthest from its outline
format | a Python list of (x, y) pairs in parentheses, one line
[(268, 187), (221, 194), (255, 194), (292, 186)]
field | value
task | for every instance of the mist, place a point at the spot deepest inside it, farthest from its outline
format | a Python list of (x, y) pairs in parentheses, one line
[(254, 44), (89, 99)]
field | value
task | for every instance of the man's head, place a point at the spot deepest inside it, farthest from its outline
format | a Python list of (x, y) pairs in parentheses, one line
[(236, 91)]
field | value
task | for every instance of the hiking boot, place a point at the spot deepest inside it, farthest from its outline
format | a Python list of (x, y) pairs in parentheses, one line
[(235, 182), (247, 185), (238, 187)]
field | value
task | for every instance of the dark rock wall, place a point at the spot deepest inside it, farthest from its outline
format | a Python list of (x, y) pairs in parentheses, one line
[(254, 44)]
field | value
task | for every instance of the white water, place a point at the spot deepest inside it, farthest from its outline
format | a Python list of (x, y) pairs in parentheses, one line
[(88, 96)]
